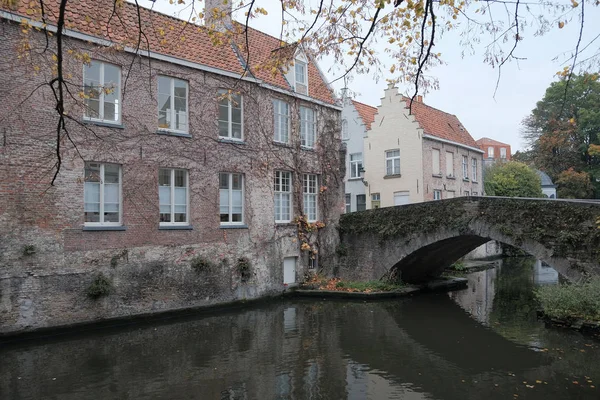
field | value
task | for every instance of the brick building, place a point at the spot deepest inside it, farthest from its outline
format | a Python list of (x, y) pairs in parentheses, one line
[(183, 165), (419, 155), (494, 150)]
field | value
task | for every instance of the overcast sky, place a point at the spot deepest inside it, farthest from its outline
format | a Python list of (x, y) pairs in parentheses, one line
[(467, 84)]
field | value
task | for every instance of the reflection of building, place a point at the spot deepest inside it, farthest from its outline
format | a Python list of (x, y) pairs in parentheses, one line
[(548, 187), (478, 298), (489, 250), (543, 274)]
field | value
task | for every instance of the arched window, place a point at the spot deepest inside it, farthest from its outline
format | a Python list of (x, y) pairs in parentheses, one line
[(345, 129)]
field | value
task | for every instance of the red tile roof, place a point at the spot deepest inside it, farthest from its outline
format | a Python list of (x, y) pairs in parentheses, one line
[(173, 37), (366, 112), (440, 124), (488, 141)]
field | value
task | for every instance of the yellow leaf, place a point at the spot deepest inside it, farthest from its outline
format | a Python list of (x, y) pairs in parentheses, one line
[(574, 3), (561, 24)]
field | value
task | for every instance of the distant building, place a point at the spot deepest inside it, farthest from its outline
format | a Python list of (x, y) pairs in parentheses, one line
[(356, 120), (548, 187), (418, 155), (494, 150)]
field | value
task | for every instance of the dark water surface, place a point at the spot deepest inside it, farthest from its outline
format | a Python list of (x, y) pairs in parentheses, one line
[(480, 343)]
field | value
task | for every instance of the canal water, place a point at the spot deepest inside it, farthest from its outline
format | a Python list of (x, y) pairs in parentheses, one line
[(483, 342)]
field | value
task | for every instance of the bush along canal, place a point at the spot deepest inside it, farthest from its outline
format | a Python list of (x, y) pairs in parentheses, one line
[(485, 341)]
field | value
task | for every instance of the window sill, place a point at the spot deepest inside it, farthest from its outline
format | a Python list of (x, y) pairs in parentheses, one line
[(354, 179), (281, 144), (233, 226), (103, 123), (173, 133), (284, 223), (437, 175), (474, 182), (307, 148), (451, 177), (175, 228), (104, 228), (230, 140), (466, 180), (392, 176)]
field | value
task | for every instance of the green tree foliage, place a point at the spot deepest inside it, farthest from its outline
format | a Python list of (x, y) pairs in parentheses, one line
[(512, 179), (574, 185), (564, 128)]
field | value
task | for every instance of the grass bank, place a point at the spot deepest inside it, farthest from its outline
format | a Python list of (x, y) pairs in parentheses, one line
[(336, 284), (571, 301)]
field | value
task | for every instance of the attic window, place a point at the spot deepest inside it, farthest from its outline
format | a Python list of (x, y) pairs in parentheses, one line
[(301, 77)]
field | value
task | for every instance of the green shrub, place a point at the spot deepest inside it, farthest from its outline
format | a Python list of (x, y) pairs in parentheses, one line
[(244, 268), (201, 264), (28, 250), (571, 301), (100, 286), (458, 266), (371, 286)]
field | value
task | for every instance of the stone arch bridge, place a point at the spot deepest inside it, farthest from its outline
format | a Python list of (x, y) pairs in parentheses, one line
[(416, 242)]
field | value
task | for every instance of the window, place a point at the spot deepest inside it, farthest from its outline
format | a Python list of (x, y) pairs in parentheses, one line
[(375, 200), (474, 193), (490, 152), (231, 198), (283, 196), (348, 202), (450, 194), (466, 193), (474, 170), (309, 191), (437, 194), (313, 261), (449, 164), (307, 127), (301, 77), (435, 158), (102, 194), (361, 202), (465, 167), (102, 91), (345, 134), (401, 198), (173, 196), (355, 165), (281, 111), (503, 152), (230, 115), (172, 104), (392, 162)]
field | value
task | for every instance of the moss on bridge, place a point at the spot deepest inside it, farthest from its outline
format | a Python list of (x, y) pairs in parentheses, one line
[(567, 227)]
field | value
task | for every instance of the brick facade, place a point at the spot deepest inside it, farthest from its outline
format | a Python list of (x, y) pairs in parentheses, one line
[(149, 268)]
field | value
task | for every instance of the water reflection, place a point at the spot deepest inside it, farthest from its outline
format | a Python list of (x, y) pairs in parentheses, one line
[(478, 344)]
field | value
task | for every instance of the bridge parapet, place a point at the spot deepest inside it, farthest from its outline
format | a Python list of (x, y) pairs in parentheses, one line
[(417, 241)]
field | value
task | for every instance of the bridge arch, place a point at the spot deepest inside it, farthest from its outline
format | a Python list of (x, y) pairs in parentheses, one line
[(417, 242)]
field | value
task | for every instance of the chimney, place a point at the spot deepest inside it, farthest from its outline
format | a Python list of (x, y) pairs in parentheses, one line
[(419, 98), (217, 15)]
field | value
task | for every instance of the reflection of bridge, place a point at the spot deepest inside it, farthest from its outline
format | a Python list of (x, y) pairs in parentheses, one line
[(418, 241), (464, 361)]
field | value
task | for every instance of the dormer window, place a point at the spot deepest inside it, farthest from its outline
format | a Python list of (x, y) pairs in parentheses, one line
[(301, 76)]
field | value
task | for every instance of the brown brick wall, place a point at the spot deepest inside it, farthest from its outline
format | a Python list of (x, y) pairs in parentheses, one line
[(155, 274)]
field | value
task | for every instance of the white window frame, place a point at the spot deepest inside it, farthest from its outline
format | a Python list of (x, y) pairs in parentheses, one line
[(304, 80), (465, 167), (356, 165), (490, 152), (172, 105), (450, 156), (308, 128), (359, 195), (101, 205), (279, 192), (310, 192), (435, 162), (278, 121), (348, 201), (230, 190), (172, 199), (102, 94), (390, 162), (229, 121), (474, 169), (503, 153), (437, 194), (466, 193)]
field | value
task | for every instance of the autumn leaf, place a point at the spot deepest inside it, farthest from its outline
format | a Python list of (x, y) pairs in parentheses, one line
[(560, 24)]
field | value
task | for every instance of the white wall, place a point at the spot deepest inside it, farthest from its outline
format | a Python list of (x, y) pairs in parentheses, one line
[(356, 132)]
